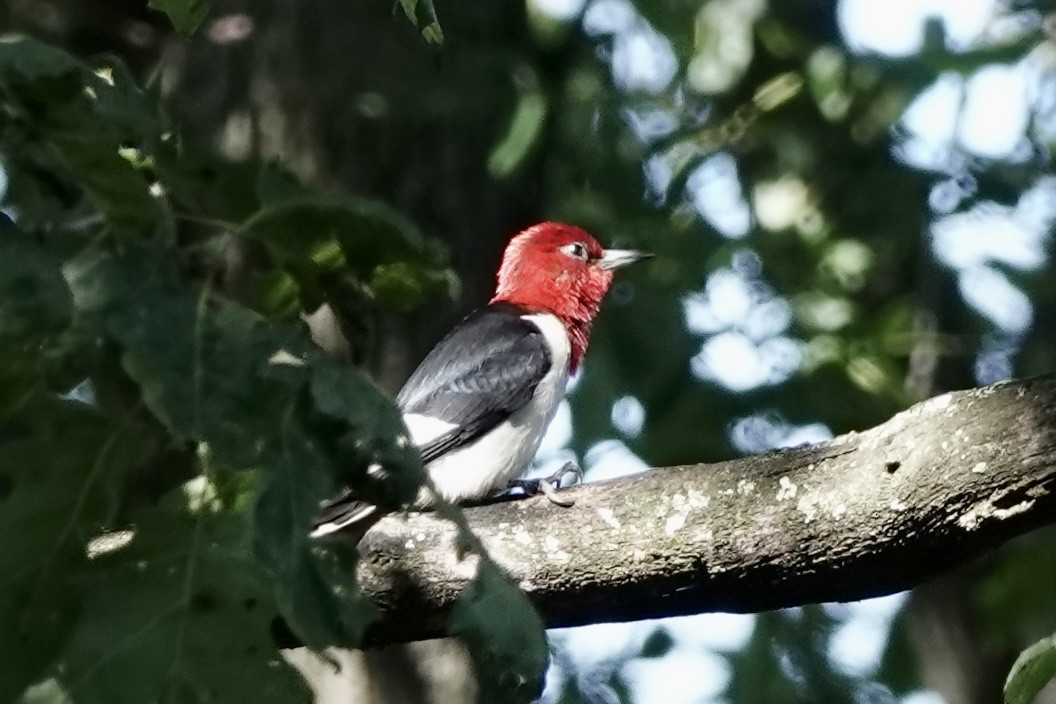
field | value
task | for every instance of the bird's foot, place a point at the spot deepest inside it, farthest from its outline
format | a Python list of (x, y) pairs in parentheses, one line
[(548, 486)]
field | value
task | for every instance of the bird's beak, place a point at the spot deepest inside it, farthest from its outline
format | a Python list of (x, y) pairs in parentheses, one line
[(619, 258)]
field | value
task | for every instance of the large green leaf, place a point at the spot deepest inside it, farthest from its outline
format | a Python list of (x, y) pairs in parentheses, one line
[(35, 307), (196, 364), (180, 613), (185, 15), (1034, 668), (366, 420), (314, 583), (209, 187), (510, 652), (34, 299), (255, 395), (62, 469), (321, 240), (89, 119)]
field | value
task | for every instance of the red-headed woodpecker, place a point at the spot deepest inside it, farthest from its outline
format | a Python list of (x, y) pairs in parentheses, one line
[(478, 404)]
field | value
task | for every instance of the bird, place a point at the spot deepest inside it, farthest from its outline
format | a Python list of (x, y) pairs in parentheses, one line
[(478, 405)]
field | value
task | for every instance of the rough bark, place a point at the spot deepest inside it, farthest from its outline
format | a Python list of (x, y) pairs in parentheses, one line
[(864, 515)]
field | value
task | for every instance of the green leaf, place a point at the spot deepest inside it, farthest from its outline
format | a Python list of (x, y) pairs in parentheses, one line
[(181, 613), (212, 187), (1034, 668), (63, 467), (256, 395), (197, 365), (315, 583), (505, 637), (120, 106), (34, 298), (186, 15), (304, 228), (372, 422), (276, 183), (87, 118), (205, 186), (423, 14), (320, 240), (406, 284)]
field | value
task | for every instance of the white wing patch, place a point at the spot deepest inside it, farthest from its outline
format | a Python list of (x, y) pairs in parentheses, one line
[(424, 429)]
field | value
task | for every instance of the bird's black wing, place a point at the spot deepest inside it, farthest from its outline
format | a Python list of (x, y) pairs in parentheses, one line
[(483, 371)]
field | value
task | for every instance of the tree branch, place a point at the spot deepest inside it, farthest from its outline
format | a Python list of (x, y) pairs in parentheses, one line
[(867, 514)]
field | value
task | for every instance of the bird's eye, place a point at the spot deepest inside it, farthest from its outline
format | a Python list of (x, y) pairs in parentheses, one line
[(576, 250)]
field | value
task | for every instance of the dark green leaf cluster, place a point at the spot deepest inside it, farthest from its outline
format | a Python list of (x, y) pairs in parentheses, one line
[(167, 428), (187, 15)]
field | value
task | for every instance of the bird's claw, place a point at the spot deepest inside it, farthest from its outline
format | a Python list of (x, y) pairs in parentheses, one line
[(548, 486), (568, 468)]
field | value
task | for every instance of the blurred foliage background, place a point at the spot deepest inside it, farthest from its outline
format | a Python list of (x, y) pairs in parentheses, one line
[(852, 204)]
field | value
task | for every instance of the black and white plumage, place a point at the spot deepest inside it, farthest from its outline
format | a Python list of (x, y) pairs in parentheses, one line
[(477, 406)]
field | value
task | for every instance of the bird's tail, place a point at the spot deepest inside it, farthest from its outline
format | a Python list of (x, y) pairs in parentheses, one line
[(345, 513)]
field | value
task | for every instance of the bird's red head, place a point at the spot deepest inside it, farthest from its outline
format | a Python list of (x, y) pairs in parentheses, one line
[(560, 269)]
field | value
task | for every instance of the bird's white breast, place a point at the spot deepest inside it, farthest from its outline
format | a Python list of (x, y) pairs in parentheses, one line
[(487, 464)]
